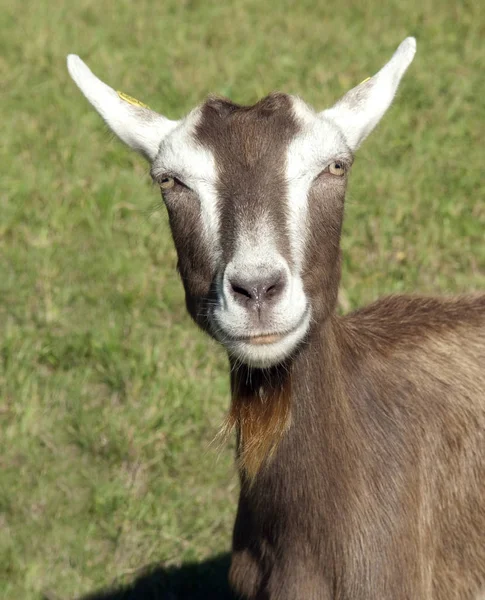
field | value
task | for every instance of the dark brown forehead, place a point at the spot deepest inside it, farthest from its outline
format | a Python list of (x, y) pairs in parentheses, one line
[(250, 145), (246, 134)]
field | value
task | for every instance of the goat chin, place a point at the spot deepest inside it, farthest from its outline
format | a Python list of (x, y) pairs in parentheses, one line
[(264, 351)]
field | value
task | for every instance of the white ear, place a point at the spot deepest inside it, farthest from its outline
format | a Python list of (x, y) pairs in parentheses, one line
[(138, 126), (359, 111)]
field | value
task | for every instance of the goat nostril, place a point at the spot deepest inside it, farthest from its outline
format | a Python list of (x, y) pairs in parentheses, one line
[(273, 290), (237, 290), (258, 291)]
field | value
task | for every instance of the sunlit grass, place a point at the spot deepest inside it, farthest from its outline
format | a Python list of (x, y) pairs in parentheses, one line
[(109, 396)]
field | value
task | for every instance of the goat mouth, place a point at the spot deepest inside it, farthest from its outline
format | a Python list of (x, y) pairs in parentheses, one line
[(268, 338), (261, 339), (263, 350)]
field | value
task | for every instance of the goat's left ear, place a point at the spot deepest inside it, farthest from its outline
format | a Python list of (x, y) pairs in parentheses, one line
[(359, 111), (135, 124)]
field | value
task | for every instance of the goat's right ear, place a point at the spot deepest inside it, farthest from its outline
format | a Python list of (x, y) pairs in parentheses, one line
[(136, 125)]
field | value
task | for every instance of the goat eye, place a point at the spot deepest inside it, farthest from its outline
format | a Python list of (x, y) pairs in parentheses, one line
[(166, 183), (336, 168)]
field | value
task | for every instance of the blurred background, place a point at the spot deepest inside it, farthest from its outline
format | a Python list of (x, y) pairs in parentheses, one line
[(109, 396)]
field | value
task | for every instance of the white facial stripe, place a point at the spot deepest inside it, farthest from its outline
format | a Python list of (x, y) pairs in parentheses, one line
[(210, 218), (255, 247), (318, 142), (182, 156)]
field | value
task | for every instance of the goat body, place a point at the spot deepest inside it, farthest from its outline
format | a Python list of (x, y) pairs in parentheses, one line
[(376, 490), (361, 439)]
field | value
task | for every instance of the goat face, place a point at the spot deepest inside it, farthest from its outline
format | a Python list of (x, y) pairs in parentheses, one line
[(255, 200)]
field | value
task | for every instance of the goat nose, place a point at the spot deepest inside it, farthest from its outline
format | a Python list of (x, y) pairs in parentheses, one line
[(254, 293)]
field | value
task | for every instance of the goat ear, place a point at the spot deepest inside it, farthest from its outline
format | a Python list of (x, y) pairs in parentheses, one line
[(136, 125), (359, 111)]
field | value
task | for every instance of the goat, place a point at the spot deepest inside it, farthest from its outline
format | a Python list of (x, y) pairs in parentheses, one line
[(360, 438)]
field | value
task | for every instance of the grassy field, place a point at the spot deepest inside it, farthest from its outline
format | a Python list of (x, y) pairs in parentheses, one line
[(109, 396)]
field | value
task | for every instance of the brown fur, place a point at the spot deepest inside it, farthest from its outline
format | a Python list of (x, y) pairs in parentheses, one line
[(362, 458), (249, 146), (260, 413), (377, 489)]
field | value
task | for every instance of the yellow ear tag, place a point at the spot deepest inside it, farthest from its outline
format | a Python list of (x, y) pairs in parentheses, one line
[(366, 79), (131, 100)]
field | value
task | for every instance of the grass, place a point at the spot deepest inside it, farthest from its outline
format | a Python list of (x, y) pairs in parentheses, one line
[(109, 396)]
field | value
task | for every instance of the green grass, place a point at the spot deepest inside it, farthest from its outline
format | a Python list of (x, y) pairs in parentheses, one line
[(109, 396)]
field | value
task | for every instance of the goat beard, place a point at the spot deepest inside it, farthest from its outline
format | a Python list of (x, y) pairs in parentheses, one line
[(260, 413)]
